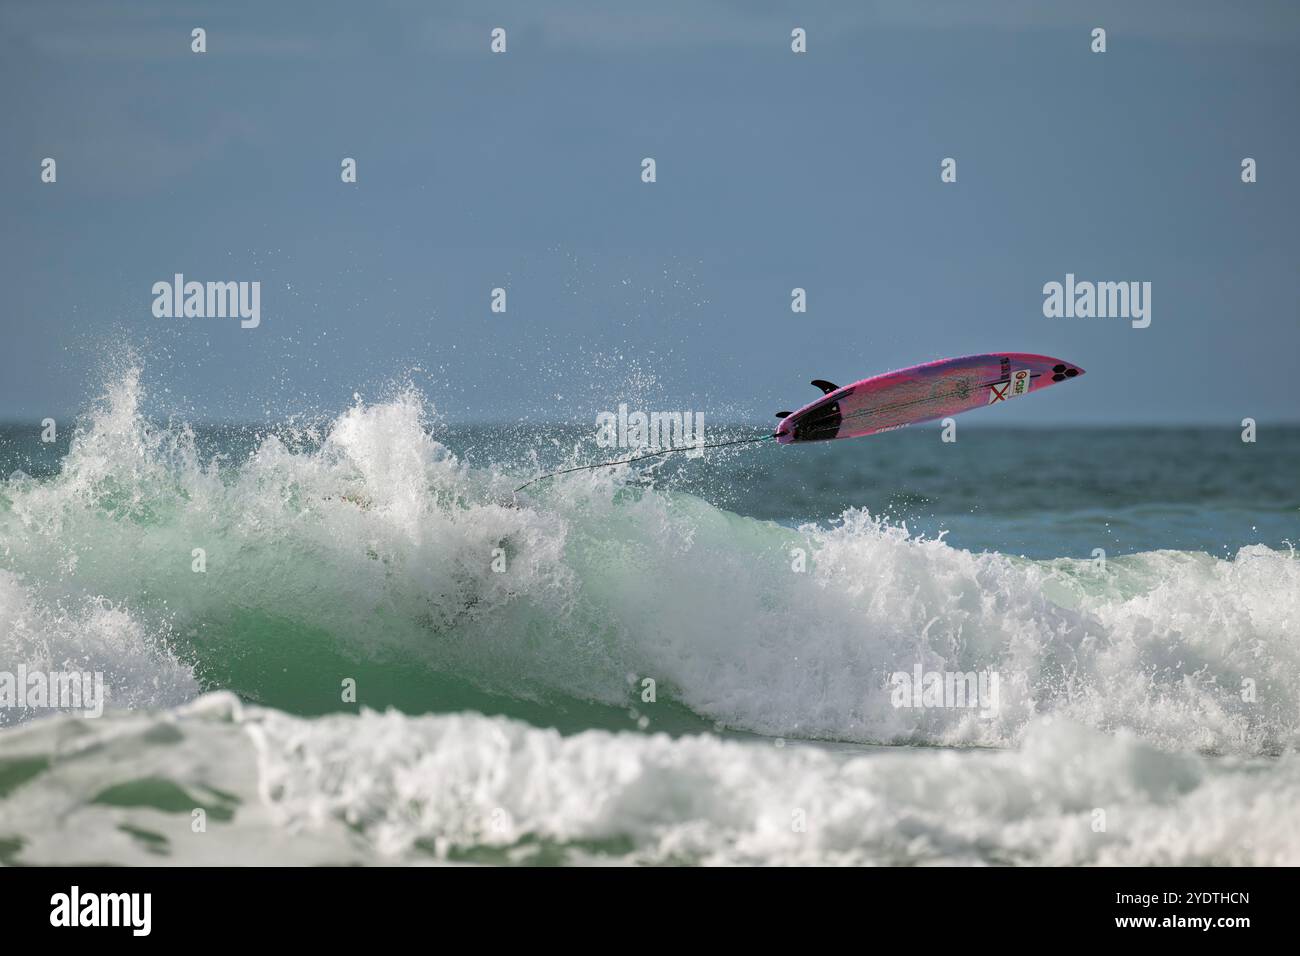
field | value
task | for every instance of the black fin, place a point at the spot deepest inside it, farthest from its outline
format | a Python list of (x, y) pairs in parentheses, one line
[(824, 385), (782, 414)]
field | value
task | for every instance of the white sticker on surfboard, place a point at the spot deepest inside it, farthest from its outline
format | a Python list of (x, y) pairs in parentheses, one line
[(1018, 384)]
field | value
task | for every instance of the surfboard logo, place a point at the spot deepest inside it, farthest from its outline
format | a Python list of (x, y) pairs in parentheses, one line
[(1017, 383)]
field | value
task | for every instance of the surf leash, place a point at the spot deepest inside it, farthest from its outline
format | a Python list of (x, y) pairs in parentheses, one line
[(657, 454)]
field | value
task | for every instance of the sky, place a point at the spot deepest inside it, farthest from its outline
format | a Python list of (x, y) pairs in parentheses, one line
[(522, 170)]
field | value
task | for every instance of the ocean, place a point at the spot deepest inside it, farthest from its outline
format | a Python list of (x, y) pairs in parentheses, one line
[(350, 641)]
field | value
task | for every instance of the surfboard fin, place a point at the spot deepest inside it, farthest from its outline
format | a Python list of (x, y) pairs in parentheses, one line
[(782, 414), (824, 385)]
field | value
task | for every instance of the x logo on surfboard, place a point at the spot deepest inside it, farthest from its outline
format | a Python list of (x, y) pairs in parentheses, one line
[(1018, 385)]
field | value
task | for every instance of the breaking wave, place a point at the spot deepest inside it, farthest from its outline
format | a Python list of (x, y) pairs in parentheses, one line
[(364, 549)]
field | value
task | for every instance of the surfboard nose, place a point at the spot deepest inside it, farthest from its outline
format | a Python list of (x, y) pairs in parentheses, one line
[(1064, 370)]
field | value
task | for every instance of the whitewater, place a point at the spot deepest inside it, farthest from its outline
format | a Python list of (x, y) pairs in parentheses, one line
[(501, 648)]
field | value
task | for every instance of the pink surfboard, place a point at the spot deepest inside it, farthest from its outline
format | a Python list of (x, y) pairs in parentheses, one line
[(921, 393)]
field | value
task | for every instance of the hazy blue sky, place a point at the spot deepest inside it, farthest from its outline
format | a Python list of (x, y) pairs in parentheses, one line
[(522, 170)]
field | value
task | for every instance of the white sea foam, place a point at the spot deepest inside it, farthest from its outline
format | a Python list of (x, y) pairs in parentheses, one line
[(379, 788), (92, 636)]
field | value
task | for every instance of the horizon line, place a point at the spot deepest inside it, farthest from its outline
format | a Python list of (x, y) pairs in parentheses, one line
[(735, 423)]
